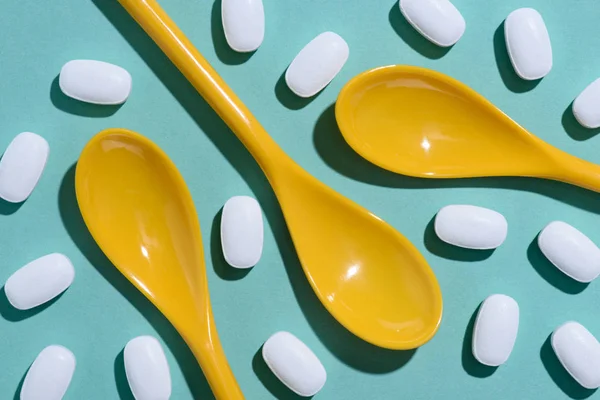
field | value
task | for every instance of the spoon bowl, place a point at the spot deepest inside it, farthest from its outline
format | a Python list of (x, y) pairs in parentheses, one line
[(367, 275), (138, 209), (419, 122)]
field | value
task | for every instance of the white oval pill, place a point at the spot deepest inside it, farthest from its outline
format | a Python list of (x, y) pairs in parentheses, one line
[(470, 226), (570, 251), (147, 369), (439, 21), (50, 374), (243, 23), (242, 232), (294, 364), (317, 64), (22, 165), (95, 82), (495, 330), (586, 107), (528, 43), (579, 352), (39, 281)]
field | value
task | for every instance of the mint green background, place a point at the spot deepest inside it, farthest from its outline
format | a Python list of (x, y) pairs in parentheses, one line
[(101, 311)]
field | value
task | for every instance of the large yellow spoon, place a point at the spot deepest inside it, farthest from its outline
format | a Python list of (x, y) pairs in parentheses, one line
[(138, 209), (368, 276), (422, 123)]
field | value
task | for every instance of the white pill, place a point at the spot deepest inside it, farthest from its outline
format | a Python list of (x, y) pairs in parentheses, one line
[(147, 369), (570, 251), (586, 106), (294, 364), (495, 330), (579, 352), (39, 281), (470, 226), (437, 20), (528, 43), (50, 374), (22, 165), (317, 64), (242, 232), (243, 23), (95, 82)]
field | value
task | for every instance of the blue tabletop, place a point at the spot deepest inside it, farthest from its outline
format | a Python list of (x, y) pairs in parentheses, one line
[(101, 311)]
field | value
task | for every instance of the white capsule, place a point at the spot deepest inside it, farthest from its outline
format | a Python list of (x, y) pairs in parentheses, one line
[(242, 232), (579, 353), (528, 43), (586, 107), (471, 227), (243, 24), (50, 374), (439, 21), (294, 364), (495, 330), (95, 82), (147, 369), (570, 251), (317, 64), (22, 165), (39, 281)]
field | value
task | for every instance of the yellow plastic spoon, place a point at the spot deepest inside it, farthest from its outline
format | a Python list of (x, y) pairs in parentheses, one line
[(138, 209), (422, 123), (367, 275)]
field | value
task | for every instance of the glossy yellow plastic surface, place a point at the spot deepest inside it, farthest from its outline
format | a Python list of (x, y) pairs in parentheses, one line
[(368, 276), (422, 123), (138, 209)]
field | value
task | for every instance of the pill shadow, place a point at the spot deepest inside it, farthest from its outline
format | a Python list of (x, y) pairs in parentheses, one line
[(574, 128), (442, 249), (225, 53), (345, 346), (469, 362), (79, 234), (550, 273), (270, 381), (507, 72), (559, 374), (289, 99), (17, 395), (412, 37), (76, 107), (222, 268), (12, 314), (8, 208), (121, 377)]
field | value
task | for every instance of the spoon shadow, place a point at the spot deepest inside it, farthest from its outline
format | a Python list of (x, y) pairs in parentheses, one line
[(340, 342), (77, 230), (337, 154)]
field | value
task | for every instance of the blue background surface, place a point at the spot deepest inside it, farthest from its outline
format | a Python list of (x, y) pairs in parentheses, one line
[(101, 311)]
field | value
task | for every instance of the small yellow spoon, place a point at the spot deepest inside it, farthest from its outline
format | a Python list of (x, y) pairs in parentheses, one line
[(138, 209), (422, 123), (368, 276)]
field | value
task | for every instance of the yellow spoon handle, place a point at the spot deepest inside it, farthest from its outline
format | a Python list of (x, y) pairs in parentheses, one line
[(172, 41)]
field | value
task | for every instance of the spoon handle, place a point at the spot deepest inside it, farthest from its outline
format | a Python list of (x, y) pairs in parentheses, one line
[(576, 171), (178, 48)]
